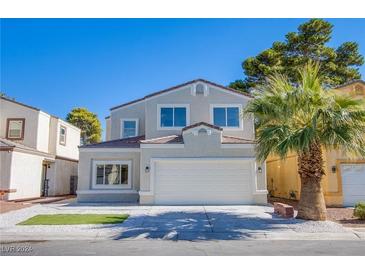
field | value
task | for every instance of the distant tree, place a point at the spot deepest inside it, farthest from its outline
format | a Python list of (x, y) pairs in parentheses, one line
[(89, 124), (338, 65)]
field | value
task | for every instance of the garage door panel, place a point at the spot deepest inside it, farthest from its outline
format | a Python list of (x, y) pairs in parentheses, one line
[(208, 178), (353, 183), (203, 182)]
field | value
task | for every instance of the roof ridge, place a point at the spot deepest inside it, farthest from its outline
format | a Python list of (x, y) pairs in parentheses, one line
[(202, 123), (179, 86), (350, 82), (116, 140)]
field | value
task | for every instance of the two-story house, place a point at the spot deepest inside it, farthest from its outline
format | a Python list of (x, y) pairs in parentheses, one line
[(38, 152), (187, 144)]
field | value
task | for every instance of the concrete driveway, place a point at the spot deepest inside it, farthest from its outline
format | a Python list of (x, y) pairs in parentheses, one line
[(193, 223), (217, 223)]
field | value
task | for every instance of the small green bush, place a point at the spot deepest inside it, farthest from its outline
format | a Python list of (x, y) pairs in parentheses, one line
[(359, 210)]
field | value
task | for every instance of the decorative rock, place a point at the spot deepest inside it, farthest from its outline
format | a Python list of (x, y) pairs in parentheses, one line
[(284, 210)]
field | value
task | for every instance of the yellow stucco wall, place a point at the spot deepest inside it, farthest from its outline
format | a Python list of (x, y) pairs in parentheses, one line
[(282, 175)]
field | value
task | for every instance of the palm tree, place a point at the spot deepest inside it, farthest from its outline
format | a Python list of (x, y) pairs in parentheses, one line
[(304, 117)]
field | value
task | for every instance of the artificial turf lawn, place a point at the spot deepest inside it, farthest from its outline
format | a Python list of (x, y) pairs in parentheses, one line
[(75, 219)]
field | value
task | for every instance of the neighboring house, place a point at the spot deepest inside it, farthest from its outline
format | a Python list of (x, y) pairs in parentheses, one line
[(344, 182), (38, 152), (184, 145)]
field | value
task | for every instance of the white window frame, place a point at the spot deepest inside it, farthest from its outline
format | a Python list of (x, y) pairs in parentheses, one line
[(122, 126), (60, 134), (112, 162), (159, 106), (240, 120)]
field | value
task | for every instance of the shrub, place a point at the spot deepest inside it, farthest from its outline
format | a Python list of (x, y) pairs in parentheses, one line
[(359, 210)]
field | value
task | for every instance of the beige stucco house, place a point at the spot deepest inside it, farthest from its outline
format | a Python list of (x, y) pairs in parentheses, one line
[(38, 152), (344, 181), (187, 144)]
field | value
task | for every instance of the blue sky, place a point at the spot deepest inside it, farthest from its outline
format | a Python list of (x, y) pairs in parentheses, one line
[(58, 64)]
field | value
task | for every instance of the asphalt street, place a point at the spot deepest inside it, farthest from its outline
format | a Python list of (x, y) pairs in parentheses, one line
[(184, 248)]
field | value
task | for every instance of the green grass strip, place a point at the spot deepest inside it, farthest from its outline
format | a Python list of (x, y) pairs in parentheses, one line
[(75, 219)]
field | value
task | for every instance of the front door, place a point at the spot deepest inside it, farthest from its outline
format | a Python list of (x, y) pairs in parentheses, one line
[(45, 181)]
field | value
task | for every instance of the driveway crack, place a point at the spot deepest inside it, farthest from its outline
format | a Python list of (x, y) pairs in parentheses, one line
[(206, 215)]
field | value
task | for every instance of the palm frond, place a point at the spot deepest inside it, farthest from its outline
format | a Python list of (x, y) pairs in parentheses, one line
[(290, 117)]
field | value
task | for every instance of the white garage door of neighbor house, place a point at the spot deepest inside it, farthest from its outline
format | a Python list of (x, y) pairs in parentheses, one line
[(204, 181), (353, 183)]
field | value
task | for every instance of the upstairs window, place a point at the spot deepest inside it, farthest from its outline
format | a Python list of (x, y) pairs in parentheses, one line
[(15, 128), (173, 116), (129, 128), (226, 117), (63, 135)]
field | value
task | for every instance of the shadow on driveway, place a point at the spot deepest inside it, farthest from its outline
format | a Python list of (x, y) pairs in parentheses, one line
[(195, 226)]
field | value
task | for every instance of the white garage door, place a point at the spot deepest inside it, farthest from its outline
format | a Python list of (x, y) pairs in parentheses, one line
[(353, 183), (203, 181)]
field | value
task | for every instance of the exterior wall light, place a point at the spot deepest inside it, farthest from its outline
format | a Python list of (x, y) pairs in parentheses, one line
[(147, 169), (259, 169), (333, 169)]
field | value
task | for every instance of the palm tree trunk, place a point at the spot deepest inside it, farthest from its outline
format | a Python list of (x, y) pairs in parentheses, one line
[(310, 167)]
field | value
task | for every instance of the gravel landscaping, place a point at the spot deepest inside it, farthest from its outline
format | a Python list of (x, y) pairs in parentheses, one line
[(341, 215)]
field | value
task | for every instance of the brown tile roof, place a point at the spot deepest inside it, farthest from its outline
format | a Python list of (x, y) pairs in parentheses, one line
[(178, 139), (6, 144), (173, 139), (135, 142), (351, 82), (179, 86), (236, 140), (132, 142), (202, 124)]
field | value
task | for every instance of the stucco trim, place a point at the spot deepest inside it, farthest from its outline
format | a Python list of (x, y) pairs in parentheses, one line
[(34, 152)]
